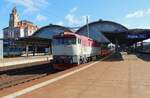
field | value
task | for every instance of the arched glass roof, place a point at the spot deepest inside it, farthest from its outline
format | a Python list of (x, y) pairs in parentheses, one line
[(48, 31), (96, 29)]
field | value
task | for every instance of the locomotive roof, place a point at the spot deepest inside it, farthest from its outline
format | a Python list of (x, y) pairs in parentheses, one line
[(73, 34)]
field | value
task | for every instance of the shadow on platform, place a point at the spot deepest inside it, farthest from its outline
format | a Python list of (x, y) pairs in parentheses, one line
[(115, 57)]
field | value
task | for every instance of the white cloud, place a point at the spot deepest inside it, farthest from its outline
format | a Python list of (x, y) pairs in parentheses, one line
[(138, 14), (40, 18), (148, 11), (73, 20), (135, 14), (73, 10), (60, 23), (29, 5)]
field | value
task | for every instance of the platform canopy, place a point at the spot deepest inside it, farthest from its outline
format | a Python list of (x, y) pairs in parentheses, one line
[(31, 40), (130, 37), (97, 28), (137, 35)]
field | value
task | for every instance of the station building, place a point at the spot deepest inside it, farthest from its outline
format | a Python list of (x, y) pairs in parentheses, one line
[(16, 28)]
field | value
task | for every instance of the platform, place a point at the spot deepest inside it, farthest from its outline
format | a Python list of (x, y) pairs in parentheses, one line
[(125, 77), (23, 60)]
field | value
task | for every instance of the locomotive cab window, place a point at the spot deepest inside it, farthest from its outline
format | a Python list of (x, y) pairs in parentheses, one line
[(79, 41), (64, 41), (69, 41)]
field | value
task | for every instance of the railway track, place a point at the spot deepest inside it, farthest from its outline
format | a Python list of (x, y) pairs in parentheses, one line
[(17, 76), (13, 77)]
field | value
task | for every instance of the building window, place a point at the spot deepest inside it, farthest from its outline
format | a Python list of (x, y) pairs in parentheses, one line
[(25, 32)]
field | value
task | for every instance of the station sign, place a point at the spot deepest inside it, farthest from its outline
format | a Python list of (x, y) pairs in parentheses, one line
[(136, 36)]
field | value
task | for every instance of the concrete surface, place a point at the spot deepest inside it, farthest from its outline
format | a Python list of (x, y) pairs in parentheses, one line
[(23, 60)]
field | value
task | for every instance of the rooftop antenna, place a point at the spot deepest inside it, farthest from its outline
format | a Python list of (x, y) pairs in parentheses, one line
[(87, 24)]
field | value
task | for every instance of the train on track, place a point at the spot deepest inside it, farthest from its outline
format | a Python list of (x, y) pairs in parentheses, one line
[(70, 49), (145, 48)]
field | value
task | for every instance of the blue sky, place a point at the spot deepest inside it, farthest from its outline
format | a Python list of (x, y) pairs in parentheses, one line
[(131, 13)]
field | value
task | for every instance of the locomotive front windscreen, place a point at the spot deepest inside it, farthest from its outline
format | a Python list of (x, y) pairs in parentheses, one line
[(64, 41)]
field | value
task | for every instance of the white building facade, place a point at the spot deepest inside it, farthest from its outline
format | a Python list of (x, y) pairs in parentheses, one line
[(16, 28)]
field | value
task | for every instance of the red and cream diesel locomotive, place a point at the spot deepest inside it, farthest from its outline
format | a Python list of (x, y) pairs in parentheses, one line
[(70, 49)]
